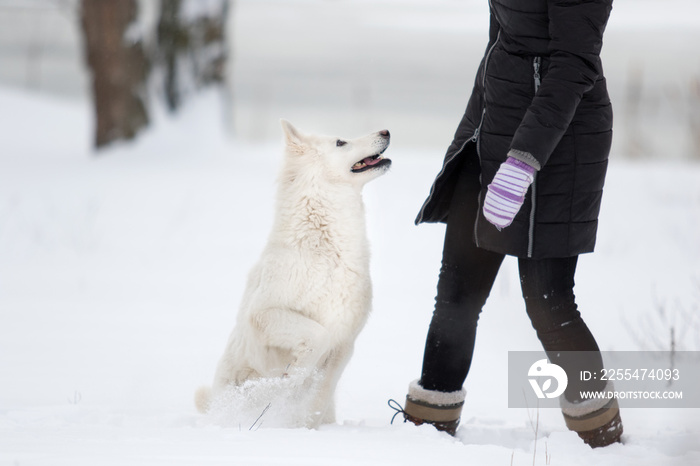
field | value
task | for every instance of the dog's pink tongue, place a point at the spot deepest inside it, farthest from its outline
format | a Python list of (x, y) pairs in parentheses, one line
[(371, 161)]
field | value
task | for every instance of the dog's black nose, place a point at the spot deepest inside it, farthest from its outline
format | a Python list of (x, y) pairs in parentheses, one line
[(384, 133)]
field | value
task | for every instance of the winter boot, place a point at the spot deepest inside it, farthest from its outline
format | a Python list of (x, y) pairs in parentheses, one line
[(596, 421), (441, 409)]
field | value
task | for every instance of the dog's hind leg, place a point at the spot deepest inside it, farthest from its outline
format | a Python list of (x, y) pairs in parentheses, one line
[(304, 340)]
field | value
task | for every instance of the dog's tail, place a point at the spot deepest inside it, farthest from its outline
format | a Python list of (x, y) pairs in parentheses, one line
[(202, 399)]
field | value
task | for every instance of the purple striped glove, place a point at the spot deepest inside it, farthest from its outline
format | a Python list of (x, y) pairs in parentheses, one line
[(506, 193)]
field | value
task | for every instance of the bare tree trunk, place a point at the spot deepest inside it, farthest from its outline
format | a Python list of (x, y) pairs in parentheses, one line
[(192, 46), (119, 68)]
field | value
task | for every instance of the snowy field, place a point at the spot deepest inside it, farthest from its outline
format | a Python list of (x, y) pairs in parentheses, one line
[(120, 277), (120, 274)]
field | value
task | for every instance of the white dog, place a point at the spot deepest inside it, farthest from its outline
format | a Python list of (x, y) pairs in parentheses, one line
[(310, 294)]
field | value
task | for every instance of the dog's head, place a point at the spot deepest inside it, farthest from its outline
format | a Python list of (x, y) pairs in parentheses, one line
[(339, 160)]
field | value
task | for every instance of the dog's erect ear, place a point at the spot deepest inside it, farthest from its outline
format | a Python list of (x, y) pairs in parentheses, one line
[(292, 136)]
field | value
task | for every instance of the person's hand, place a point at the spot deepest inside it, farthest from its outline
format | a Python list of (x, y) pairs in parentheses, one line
[(506, 193)]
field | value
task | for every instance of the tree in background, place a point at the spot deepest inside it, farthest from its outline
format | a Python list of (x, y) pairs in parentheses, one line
[(188, 54), (191, 46), (116, 58)]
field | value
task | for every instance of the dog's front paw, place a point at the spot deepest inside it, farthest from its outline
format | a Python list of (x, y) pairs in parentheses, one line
[(305, 355), (310, 351)]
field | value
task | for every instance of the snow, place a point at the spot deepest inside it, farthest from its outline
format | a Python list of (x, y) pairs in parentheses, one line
[(120, 274)]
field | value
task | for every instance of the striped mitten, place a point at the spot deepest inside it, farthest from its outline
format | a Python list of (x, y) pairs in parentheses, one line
[(506, 193)]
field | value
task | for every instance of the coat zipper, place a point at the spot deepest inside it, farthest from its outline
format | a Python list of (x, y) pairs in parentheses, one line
[(531, 228), (475, 136), (536, 65)]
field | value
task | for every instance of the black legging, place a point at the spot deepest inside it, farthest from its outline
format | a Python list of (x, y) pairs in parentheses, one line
[(466, 278)]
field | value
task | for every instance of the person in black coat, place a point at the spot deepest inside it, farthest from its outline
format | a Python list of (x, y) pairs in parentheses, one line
[(523, 177)]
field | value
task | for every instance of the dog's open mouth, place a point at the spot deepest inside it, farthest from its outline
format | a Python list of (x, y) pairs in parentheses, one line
[(371, 162)]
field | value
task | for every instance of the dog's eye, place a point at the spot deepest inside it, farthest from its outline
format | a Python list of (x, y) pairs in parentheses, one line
[(340, 143)]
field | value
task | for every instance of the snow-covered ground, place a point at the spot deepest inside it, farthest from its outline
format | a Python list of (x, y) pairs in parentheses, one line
[(120, 276), (120, 273)]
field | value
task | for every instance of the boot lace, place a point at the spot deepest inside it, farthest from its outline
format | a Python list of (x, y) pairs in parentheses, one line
[(396, 406)]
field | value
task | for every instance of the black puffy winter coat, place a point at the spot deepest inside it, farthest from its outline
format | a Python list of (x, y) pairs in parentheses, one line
[(539, 93)]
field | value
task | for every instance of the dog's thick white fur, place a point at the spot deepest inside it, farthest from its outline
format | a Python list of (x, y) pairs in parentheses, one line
[(310, 294)]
